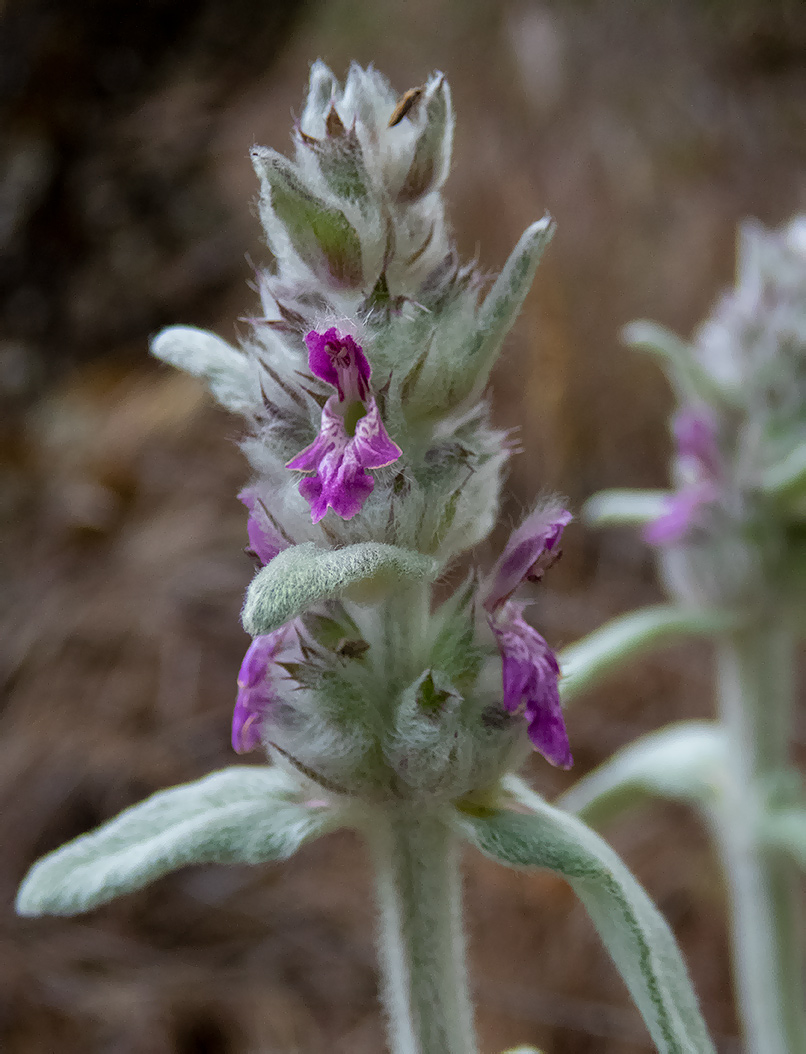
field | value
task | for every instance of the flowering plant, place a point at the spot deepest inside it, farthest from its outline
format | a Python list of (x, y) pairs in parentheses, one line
[(731, 541), (375, 465)]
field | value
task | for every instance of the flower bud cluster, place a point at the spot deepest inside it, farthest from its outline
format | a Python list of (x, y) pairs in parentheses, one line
[(362, 383), (737, 520)]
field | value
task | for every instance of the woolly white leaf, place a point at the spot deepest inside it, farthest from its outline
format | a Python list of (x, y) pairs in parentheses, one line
[(631, 927), (239, 815), (683, 761), (304, 574), (612, 507), (228, 372), (591, 659), (678, 358)]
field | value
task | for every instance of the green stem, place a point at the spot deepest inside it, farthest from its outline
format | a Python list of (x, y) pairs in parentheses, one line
[(756, 691), (421, 938)]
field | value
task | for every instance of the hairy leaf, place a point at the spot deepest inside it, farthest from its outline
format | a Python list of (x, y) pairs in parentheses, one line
[(786, 480), (593, 658), (239, 815), (321, 234), (682, 367), (227, 371), (682, 762), (432, 151), (612, 507), (304, 574), (633, 930)]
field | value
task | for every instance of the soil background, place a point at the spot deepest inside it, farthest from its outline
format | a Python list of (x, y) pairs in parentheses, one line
[(648, 130)]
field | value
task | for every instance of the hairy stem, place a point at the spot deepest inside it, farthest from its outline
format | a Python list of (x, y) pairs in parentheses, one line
[(421, 938), (756, 690)]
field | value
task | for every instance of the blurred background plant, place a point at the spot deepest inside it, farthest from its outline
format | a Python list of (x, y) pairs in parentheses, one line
[(647, 130), (730, 542)]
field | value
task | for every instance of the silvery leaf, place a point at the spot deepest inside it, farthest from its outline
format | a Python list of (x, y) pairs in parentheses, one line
[(245, 815), (304, 574), (630, 926)]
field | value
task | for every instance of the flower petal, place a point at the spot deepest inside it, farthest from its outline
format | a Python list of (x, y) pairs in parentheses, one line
[(683, 511), (339, 462), (539, 534), (530, 674), (340, 361), (264, 541), (373, 447), (696, 438), (332, 438), (256, 692), (340, 483), (256, 661)]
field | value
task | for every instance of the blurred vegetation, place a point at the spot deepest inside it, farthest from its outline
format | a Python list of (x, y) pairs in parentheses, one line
[(648, 130)]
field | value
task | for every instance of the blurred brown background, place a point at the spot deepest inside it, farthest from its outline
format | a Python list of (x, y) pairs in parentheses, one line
[(648, 129)]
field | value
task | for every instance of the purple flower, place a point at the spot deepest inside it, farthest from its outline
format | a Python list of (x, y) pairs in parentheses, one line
[(530, 551), (700, 461), (530, 669), (264, 539), (352, 438), (256, 688), (684, 509), (530, 675)]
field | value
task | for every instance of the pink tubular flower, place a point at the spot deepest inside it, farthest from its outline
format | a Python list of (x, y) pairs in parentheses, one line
[(530, 675), (530, 551), (695, 432), (530, 669), (256, 688), (683, 510), (264, 540), (352, 438), (696, 438)]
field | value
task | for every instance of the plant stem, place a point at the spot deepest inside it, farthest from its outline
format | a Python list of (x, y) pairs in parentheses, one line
[(756, 691), (422, 953)]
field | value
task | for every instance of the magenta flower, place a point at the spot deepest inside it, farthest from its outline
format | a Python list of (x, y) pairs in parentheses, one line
[(530, 670), (684, 510), (265, 540), (352, 438), (696, 438), (695, 432), (530, 676), (256, 686), (530, 551)]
